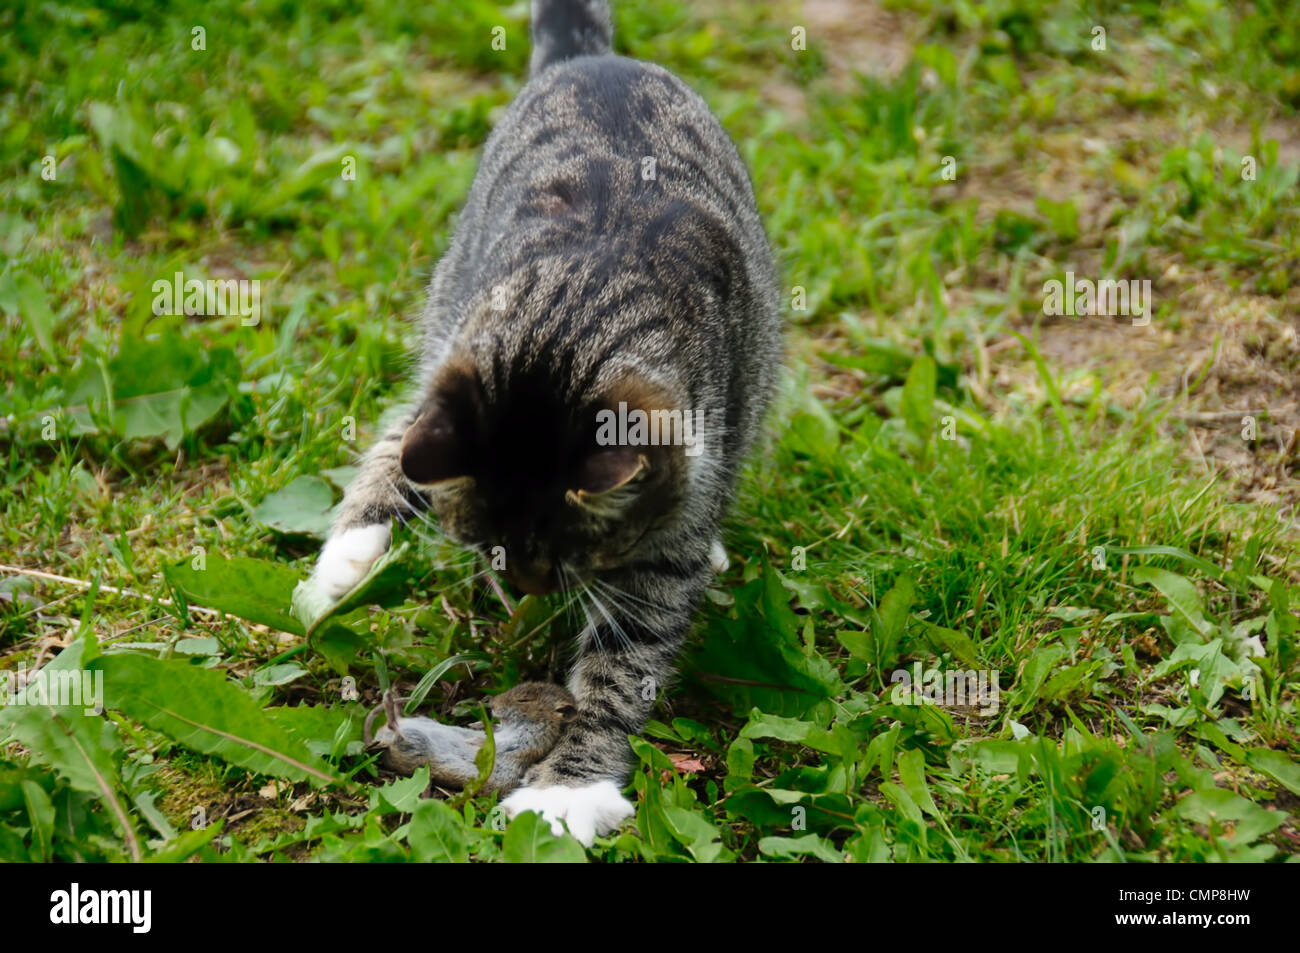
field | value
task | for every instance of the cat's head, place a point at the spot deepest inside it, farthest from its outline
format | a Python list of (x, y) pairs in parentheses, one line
[(554, 479)]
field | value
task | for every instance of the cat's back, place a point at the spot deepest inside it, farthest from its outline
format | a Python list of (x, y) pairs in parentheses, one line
[(614, 107), (609, 146)]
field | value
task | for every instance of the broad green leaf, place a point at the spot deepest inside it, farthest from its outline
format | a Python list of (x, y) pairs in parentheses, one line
[(156, 388), (80, 749), (11, 786), (812, 430), (144, 803), (64, 677), (837, 742), (697, 835), (530, 617), (950, 640), (338, 645), (203, 645), (1176, 717), (754, 660), (656, 837), (1040, 664), (253, 589), (740, 763), (881, 751), (328, 732), (35, 312), (911, 771), (650, 755), (917, 405), (764, 808), (993, 755), (303, 507), (1060, 685), (859, 644), (1277, 765), (1240, 821), (201, 709), (40, 814), (341, 477), (529, 840), (401, 794), (899, 797), (187, 844), (310, 722), (438, 834), (1181, 595), (891, 618), (1214, 732), (281, 674), (805, 845)]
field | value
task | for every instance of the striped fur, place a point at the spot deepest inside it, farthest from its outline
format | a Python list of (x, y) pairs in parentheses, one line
[(609, 250)]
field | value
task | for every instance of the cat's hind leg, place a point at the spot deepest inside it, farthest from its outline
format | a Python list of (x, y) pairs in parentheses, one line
[(718, 560)]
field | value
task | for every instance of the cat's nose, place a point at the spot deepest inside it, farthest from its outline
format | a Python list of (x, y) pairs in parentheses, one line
[(536, 580)]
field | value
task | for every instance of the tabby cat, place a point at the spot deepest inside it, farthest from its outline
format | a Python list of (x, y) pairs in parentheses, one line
[(609, 259)]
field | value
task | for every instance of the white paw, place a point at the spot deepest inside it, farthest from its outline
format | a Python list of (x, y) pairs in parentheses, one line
[(590, 811), (718, 557), (347, 558)]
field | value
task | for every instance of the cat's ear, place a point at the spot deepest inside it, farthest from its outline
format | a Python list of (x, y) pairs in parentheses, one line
[(436, 446), (607, 469), (431, 449)]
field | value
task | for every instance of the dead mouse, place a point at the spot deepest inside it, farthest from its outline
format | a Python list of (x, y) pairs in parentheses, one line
[(532, 716)]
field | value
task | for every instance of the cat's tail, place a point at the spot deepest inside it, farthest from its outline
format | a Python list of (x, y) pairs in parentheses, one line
[(563, 29)]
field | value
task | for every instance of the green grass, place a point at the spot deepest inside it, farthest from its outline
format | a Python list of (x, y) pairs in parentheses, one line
[(937, 489)]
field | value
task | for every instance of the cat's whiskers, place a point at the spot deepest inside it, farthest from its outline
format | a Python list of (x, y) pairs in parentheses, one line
[(458, 583), (568, 591), (436, 539), (439, 542), (592, 629), (619, 632), (625, 599), (404, 503)]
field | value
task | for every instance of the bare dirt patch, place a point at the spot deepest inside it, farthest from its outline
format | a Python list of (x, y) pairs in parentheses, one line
[(1231, 358), (858, 36)]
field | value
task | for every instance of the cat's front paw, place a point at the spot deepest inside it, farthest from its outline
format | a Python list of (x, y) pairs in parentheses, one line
[(344, 562), (590, 810), (347, 557)]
